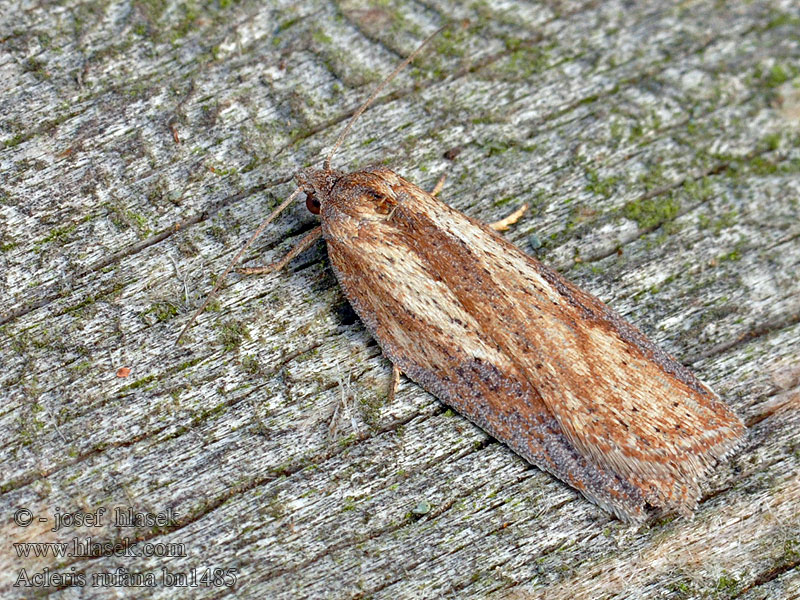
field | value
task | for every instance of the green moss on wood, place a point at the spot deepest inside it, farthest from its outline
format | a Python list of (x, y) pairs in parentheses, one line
[(652, 212)]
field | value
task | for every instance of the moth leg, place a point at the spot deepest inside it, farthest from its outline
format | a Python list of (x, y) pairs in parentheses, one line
[(506, 222), (501, 225), (394, 383), (311, 237), (439, 185)]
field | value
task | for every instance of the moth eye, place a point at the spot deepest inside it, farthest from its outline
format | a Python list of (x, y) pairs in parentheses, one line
[(312, 204)]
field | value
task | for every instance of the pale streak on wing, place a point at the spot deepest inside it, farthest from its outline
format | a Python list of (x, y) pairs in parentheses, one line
[(630, 407), (431, 302)]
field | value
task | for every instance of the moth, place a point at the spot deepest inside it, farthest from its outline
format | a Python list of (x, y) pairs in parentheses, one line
[(532, 359)]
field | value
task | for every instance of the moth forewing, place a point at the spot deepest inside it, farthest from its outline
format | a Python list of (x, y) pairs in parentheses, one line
[(541, 365)]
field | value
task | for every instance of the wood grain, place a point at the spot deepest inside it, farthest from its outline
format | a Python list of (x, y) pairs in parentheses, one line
[(658, 147)]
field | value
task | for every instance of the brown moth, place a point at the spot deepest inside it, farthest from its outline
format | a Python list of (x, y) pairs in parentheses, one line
[(533, 360)]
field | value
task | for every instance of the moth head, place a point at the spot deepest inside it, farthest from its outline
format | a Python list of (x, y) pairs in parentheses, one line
[(372, 199), (316, 185), (367, 195)]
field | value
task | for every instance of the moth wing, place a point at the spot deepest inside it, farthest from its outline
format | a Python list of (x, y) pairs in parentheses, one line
[(620, 400), (422, 328), (501, 337)]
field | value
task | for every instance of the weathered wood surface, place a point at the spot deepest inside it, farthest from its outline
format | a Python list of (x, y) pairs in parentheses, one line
[(659, 148)]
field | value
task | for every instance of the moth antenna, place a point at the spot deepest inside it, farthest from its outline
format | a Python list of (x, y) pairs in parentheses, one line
[(326, 166), (236, 258)]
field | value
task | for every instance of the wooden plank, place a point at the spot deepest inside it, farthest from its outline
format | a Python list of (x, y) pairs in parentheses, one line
[(658, 145)]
